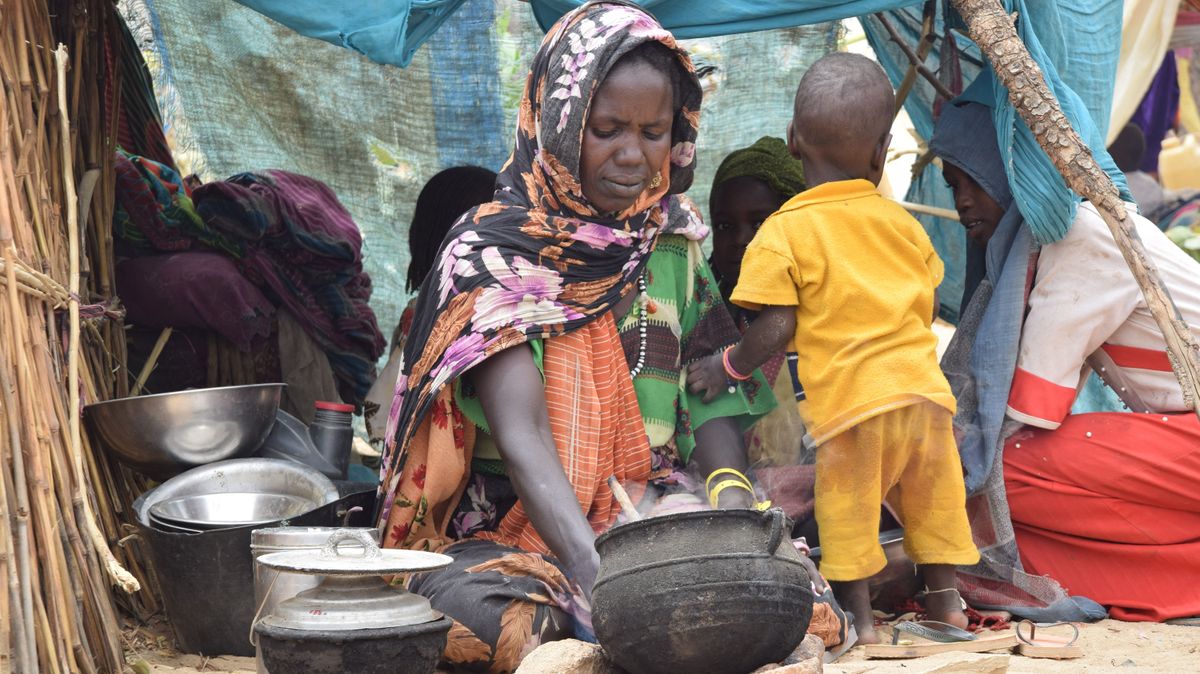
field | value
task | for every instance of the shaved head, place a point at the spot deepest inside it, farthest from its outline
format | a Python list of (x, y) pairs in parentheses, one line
[(844, 97), (844, 108)]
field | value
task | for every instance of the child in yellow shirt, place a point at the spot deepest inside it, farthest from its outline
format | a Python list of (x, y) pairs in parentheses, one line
[(847, 279)]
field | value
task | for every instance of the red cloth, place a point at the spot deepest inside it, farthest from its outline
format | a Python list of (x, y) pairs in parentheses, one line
[(1109, 505)]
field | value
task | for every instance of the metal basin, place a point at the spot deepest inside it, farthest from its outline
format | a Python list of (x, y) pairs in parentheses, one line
[(229, 509), (241, 476), (165, 434)]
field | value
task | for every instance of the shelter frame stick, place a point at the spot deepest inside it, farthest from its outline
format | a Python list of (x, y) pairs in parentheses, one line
[(995, 33), (924, 46), (915, 60)]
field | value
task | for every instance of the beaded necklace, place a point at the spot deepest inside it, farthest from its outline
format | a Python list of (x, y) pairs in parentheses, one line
[(643, 302)]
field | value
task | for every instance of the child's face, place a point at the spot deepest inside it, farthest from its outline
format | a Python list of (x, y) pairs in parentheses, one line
[(738, 208), (977, 211)]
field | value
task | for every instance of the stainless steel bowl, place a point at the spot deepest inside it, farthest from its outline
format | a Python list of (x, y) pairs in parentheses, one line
[(260, 476), (165, 434), (230, 509)]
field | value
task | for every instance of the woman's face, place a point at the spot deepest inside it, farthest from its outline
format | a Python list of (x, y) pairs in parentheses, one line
[(738, 207), (977, 211), (627, 136)]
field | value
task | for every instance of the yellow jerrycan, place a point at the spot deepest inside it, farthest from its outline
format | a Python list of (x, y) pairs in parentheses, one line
[(1179, 163)]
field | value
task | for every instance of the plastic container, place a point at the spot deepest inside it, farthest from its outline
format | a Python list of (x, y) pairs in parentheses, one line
[(291, 440), (1179, 163), (332, 434)]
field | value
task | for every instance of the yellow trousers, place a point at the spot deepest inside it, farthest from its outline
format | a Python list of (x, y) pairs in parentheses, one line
[(908, 457)]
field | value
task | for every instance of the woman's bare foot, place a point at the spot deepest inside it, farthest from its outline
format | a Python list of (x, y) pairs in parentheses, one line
[(942, 601), (855, 596)]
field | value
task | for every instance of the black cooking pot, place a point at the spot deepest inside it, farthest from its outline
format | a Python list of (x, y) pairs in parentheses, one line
[(717, 591), (405, 649)]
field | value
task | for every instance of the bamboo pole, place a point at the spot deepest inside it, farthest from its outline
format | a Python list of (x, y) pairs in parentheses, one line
[(993, 30)]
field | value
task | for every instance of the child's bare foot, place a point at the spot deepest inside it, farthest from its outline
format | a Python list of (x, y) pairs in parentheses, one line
[(865, 629), (855, 597), (942, 601), (946, 607)]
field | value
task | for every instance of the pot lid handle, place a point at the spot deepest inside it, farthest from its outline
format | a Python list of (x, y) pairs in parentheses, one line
[(332, 547)]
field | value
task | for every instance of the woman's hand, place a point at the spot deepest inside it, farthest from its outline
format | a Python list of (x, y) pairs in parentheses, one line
[(513, 397)]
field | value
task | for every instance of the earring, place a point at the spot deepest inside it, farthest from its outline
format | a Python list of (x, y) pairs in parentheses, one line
[(656, 180)]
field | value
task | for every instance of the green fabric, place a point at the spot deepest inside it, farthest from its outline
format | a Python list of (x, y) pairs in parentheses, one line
[(469, 403), (488, 467), (680, 330), (689, 321), (768, 160)]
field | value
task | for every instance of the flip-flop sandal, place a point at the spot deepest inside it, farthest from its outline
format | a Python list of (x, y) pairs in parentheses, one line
[(939, 638), (1045, 645), (848, 633), (1194, 621)]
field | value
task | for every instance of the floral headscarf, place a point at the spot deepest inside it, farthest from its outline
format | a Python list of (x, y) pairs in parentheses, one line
[(540, 260)]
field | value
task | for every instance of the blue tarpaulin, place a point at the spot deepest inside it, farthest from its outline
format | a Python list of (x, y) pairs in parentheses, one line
[(391, 31), (1076, 43), (385, 31), (706, 18)]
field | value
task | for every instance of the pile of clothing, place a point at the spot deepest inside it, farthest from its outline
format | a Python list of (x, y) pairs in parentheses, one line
[(273, 239)]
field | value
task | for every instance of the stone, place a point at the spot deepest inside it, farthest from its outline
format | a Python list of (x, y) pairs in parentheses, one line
[(808, 658), (568, 655)]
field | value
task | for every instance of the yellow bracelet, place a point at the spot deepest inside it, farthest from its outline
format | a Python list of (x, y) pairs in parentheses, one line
[(715, 493), (731, 471)]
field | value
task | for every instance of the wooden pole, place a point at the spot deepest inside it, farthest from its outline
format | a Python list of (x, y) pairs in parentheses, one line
[(923, 48), (151, 361), (993, 30), (915, 61), (119, 575)]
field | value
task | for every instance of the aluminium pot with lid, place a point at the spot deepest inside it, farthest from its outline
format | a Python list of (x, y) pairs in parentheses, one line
[(354, 620), (352, 595)]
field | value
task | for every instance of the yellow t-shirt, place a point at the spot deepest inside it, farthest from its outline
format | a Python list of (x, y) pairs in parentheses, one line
[(861, 273)]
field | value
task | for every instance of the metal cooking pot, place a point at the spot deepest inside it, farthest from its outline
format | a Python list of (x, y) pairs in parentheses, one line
[(715, 591), (353, 621), (273, 587)]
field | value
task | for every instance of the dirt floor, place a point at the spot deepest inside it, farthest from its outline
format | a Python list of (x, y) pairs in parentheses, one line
[(1130, 648), (1109, 645)]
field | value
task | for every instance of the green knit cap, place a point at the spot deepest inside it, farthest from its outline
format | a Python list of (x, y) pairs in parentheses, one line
[(768, 160)]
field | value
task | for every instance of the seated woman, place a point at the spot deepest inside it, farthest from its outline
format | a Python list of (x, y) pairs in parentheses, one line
[(442, 201), (515, 403), (1104, 503)]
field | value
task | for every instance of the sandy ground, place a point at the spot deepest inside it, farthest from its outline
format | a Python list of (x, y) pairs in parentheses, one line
[(1128, 648), (1109, 645)]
